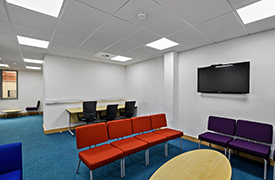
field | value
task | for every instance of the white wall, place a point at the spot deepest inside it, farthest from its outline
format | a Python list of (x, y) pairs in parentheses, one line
[(67, 79), (258, 105), (145, 84), (30, 89)]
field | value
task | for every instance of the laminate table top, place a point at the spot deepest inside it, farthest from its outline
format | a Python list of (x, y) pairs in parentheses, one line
[(201, 164)]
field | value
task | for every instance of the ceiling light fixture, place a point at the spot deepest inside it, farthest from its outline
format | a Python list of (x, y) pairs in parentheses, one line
[(162, 44), (49, 7), (32, 42), (33, 67), (141, 15), (121, 58), (257, 11), (33, 61), (4, 65)]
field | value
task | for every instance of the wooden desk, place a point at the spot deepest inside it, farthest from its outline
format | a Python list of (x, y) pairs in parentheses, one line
[(12, 111), (200, 164), (73, 113)]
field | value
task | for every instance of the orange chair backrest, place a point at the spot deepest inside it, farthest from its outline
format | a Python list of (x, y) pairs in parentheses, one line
[(141, 124), (119, 128), (158, 121), (90, 135)]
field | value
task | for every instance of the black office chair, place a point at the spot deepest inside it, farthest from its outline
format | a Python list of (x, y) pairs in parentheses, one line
[(110, 112), (129, 109), (89, 112)]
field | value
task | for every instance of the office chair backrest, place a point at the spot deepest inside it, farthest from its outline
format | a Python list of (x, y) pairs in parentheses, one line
[(111, 112), (38, 104), (129, 108), (89, 110)]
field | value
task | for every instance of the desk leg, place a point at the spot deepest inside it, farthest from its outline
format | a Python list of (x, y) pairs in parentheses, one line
[(70, 126), (6, 115)]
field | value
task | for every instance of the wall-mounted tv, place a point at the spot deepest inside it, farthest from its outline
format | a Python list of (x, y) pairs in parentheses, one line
[(224, 78)]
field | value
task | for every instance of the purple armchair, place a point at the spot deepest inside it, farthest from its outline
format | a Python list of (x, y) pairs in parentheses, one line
[(250, 137), (34, 108), (222, 131)]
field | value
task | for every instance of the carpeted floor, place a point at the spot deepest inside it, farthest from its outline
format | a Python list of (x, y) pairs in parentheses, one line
[(55, 156)]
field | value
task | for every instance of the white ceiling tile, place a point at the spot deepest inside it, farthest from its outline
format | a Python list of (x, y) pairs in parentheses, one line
[(174, 5), (121, 47), (118, 27), (219, 24), (236, 4), (58, 53), (5, 27), (29, 50), (129, 12), (168, 24), (202, 10), (262, 25), (185, 36), (99, 41), (109, 6), (7, 38), (61, 47), (32, 32), (199, 42), (144, 36), (3, 15), (31, 18), (230, 34), (84, 15), (69, 29), (84, 51), (66, 40)]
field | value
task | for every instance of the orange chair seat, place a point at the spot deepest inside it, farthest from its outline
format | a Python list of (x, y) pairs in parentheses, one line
[(130, 145), (170, 133), (99, 156), (152, 138)]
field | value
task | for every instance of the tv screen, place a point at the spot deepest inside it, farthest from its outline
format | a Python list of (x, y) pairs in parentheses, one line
[(224, 78)]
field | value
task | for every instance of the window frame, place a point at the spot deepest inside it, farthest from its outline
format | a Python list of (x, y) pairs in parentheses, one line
[(1, 81)]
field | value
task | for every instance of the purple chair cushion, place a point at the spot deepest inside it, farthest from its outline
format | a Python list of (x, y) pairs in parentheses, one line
[(215, 138), (255, 131), (31, 108), (274, 156), (222, 125), (250, 147)]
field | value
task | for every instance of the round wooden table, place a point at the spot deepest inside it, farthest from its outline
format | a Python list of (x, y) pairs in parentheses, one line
[(200, 164)]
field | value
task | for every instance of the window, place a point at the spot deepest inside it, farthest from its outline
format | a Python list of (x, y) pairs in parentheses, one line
[(9, 85)]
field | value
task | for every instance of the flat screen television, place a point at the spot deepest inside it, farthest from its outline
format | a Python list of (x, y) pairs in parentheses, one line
[(224, 78)]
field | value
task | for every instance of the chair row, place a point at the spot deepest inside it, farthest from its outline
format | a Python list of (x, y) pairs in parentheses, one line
[(90, 112), (131, 135), (246, 136)]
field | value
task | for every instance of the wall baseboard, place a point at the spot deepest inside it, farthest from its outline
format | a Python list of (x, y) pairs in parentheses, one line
[(21, 114), (245, 155), (59, 130)]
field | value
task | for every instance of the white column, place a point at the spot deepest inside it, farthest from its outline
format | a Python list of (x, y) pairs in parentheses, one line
[(171, 87)]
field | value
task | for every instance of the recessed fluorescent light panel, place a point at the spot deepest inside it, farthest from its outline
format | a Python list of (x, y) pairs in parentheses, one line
[(257, 11), (32, 42), (49, 7), (4, 65), (162, 44), (33, 61), (32, 67), (121, 58)]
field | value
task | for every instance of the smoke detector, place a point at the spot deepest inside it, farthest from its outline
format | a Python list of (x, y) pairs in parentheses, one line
[(141, 15)]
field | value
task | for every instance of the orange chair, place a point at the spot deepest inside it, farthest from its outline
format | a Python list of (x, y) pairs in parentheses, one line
[(158, 121), (142, 124), (130, 145), (93, 158)]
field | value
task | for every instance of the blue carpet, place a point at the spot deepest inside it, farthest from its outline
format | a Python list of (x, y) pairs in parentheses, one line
[(55, 156)]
